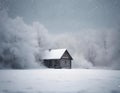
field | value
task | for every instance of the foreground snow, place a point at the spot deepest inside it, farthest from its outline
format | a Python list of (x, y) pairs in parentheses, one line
[(59, 81)]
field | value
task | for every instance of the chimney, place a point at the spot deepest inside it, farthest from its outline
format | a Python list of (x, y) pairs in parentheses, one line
[(50, 49)]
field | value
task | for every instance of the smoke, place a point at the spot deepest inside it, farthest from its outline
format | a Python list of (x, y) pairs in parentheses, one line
[(92, 48), (20, 44)]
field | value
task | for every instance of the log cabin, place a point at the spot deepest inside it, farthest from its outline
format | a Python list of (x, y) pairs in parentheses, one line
[(57, 58)]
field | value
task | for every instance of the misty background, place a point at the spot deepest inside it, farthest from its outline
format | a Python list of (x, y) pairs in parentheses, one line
[(89, 29)]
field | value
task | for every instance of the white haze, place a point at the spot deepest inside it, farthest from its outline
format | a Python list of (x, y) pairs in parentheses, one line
[(21, 45), (92, 48)]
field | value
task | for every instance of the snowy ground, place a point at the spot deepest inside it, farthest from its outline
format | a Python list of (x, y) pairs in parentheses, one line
[(59, 81)]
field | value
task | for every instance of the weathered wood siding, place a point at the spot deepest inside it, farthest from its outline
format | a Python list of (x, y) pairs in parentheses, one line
[(52, 63), (64, 62)]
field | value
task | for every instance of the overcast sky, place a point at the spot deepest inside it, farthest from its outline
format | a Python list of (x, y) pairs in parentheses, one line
[(60, 16)]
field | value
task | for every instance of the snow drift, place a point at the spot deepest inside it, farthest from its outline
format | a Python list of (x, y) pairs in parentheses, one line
[(60, 81)]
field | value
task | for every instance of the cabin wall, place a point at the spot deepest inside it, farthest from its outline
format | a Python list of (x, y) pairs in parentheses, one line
[(62, 63), (52, 63), (55, 64), (65, 63)]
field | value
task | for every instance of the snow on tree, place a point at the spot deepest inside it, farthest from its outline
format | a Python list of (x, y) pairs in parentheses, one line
[(19, 43)]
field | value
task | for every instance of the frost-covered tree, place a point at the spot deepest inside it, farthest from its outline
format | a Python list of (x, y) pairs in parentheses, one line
[(19, 42), (97, 48)]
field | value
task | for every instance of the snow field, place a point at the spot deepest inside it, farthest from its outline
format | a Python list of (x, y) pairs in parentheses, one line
[(60, 81)]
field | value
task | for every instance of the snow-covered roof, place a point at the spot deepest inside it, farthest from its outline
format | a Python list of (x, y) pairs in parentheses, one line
[(53, 53)]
